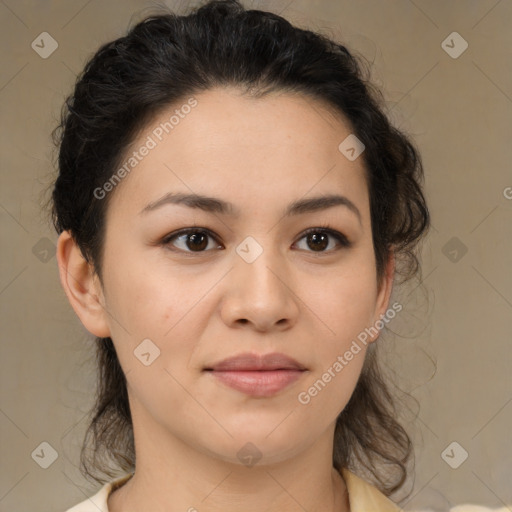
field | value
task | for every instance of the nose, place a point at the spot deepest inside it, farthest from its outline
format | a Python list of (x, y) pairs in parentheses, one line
[(259, 295)]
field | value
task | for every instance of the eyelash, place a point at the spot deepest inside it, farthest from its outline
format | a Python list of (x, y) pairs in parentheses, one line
[(323, 229)]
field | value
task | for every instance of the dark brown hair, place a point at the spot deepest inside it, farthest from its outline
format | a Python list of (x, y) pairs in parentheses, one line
[(166, 58)]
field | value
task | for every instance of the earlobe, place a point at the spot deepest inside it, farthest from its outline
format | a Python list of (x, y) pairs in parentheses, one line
[(82, 286)]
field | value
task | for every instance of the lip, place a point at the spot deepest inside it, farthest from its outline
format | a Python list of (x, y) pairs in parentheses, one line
[(255, 362), (257, 375)]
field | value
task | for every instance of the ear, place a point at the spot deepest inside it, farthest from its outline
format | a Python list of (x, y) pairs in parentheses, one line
[(82, 286), (384, 291)]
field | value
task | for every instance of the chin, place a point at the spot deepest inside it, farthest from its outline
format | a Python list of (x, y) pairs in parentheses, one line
[(256, 447)]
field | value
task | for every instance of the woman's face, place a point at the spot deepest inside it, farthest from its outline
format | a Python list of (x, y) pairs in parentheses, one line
[(250, 281)]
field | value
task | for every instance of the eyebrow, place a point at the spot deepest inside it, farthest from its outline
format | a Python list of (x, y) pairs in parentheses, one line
[(219, 206)]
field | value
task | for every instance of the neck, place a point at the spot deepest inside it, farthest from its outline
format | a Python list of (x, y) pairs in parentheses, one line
[(173, 476)]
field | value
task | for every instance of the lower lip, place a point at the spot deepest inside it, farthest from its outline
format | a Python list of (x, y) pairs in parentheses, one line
[(258, 383)]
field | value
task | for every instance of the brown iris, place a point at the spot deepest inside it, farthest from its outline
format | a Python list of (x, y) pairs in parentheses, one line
[(318, 241), (197, 241)]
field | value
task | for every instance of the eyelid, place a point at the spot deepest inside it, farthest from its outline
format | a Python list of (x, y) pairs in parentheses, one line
[(190, 230), (342, 239)]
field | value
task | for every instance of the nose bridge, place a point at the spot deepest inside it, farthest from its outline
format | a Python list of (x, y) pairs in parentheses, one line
[(259, 292), (258, 266)]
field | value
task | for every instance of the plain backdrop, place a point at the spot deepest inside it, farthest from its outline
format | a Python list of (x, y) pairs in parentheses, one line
[(451, 348)]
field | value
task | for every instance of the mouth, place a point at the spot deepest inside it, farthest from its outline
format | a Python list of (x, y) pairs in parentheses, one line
[(257, 375)]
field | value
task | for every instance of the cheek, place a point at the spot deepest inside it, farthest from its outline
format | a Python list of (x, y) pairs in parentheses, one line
[(152, 303), (155, 308), (327, 391), (343, 304), (169, 309)]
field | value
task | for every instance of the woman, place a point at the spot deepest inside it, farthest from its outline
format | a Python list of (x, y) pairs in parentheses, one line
[(234, 209)]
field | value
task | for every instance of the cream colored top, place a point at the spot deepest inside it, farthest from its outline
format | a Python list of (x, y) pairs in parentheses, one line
[(363, 497)]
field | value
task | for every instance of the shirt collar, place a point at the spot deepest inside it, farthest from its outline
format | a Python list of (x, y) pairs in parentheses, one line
[(364, 497)]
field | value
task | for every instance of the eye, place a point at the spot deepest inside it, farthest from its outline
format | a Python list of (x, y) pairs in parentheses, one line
[(197, 240), (192, 240), (318, 239)]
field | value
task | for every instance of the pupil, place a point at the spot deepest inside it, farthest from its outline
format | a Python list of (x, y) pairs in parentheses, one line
[(318, 241), (197, 241)]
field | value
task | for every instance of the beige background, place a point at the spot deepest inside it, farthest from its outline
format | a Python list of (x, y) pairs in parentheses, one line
[(458, 110)]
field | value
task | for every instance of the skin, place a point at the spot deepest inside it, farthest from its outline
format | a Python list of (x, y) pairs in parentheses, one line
[(202, 307)]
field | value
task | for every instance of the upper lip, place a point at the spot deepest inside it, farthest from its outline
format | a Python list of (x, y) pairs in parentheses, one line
[(254, 362)]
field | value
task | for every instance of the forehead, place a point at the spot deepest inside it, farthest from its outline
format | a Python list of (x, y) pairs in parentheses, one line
[(240, 147)]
